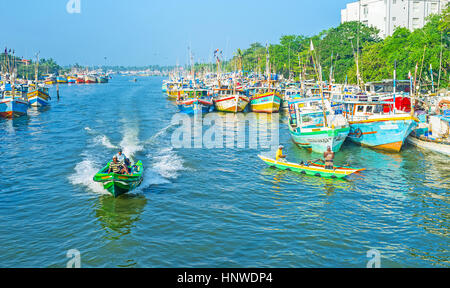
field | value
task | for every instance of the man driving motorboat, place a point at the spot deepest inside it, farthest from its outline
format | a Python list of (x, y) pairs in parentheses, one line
[(122, 158)]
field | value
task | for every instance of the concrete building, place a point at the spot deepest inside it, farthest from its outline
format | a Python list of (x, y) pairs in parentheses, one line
[(387, 15)]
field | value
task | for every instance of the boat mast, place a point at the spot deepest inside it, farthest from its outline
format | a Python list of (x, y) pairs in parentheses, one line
[(36, 70), (319, 76), (268, 65)]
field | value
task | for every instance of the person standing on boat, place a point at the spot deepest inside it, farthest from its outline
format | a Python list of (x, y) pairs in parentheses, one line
[(329, 157), (279, 154), (123, 159)]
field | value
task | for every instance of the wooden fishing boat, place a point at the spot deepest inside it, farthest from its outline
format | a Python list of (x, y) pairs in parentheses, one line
[(311, 168), (71, 79), (80, 79), (61, 79), (118, 184), (195, 106), (38, 97), (433, 136), (265, 101), (89, 79), (50, 81), (309, 129), (229, 100), (13, 104), (371, 127)]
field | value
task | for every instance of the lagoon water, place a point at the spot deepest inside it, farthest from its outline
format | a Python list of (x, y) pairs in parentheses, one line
[(203, 207)]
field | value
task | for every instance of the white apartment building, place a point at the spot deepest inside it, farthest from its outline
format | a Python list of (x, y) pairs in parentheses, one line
[(387, 15)]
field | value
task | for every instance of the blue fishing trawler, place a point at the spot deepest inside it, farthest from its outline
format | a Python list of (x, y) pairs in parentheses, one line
[(13, 104)]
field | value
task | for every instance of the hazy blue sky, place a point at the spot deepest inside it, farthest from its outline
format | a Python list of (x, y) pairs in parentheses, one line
[(141, 32)]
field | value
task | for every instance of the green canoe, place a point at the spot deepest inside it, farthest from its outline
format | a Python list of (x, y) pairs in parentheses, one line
[(118, 184), (312, 169)]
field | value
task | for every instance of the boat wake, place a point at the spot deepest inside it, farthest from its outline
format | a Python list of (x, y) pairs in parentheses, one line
[(130, 143), (163, 164), (84, 172), (163, 131), (101, 139), (167, 163), (104, 140)]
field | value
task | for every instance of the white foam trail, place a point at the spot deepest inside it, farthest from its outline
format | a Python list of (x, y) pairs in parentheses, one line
[(130, 143), (160, 133), (168, 164), (104, 140), (84, 172), (101, 139), (151, 177)]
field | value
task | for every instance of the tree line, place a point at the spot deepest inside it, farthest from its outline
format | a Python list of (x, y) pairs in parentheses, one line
[(423, 52)]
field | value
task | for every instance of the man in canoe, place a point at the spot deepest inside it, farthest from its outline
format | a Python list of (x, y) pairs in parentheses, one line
[(329, 157), (117, 167), (279, 156)]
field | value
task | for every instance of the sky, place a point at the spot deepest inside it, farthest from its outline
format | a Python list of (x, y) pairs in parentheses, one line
[(155, 32)]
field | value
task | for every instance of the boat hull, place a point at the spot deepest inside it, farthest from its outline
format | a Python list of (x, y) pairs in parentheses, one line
[(117, 187), (118, 184), (13, 108), (61, 80), (319, 140), (430, 145), (388, 134), (38, 98), (311, 169), (232, 104), (195, 106), (266, 103)]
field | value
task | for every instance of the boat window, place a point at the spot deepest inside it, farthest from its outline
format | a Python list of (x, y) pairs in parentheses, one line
[(360, 108), (378, 109), (369, 109)]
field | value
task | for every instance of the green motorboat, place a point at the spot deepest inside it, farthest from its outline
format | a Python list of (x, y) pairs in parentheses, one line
[(311, 168), (118, 184)]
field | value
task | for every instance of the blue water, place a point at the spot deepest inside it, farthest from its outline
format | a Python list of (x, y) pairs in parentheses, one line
[(203, 207)]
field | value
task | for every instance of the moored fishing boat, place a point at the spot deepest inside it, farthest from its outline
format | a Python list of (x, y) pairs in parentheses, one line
[(61, 79), (195, 101), (311, 168), (12, 103), (118, 184), (90, 79), (195, 106), (265, 101), (38, 96), (314, 131), (370, 126), (80, 79), (71, 79), (50, 80), (433, 136), (229, 100), (175, 90)]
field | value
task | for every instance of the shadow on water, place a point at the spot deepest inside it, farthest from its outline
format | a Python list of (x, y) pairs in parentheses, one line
[(118, 215)]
